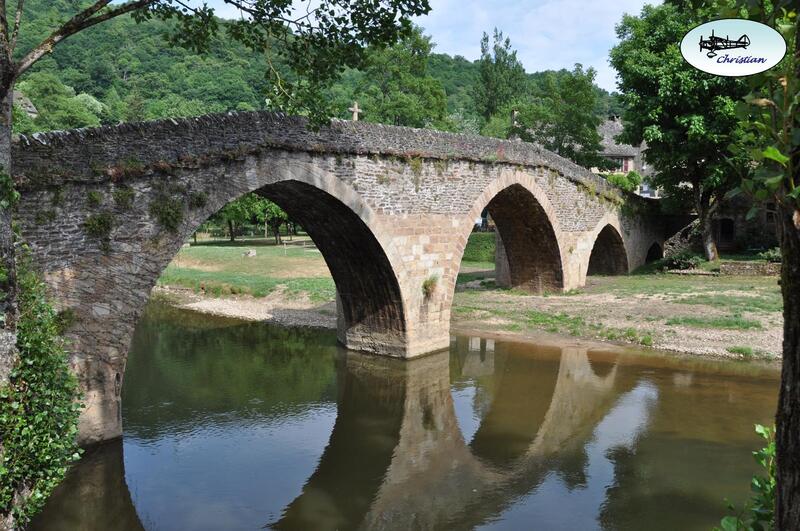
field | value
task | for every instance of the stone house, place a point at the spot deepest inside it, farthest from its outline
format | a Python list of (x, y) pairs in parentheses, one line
[(733, 231), (627, 157)]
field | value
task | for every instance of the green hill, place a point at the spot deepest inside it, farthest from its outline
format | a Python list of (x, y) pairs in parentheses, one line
[(124, 71)]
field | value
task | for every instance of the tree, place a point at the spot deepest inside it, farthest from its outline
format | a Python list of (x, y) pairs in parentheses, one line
[(273, 217), (501, 76), (315, 46), (687, 117), (560, 116), (771, 116), (396, 87), (58, 105), (236, 213), (627, 181)]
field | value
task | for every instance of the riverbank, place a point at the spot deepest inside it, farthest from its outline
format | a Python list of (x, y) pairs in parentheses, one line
[(734, 317)]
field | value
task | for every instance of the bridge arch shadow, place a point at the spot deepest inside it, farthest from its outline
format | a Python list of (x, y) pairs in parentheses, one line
[(369, 301), (655, 252), (528, 252), (608, 256)]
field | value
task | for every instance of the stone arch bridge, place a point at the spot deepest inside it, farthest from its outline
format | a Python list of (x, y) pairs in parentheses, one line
[(390, 208)]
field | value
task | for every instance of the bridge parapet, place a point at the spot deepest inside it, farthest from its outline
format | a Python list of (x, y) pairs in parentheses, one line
[(93, 154)]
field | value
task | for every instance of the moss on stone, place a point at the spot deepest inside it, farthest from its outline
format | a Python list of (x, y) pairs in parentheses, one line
[(99, 226), (94, 198), (429, 285), (198, 199), (45, 216), (123, 197), (167, 211), (163, 167), (65, 319), (57, 199), (415, 164)]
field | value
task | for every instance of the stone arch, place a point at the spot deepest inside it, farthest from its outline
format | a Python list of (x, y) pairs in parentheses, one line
[(608, 256), (370, 306), (349, 235), (374, 317), (655, 252), (527, 233)]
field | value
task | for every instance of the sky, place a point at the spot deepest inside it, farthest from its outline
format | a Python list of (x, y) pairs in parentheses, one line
[(547, 34)]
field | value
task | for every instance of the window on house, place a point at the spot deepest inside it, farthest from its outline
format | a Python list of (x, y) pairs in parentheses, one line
[(770, 217)]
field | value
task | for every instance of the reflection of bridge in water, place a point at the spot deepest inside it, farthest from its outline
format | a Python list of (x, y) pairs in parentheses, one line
[(397, 458)]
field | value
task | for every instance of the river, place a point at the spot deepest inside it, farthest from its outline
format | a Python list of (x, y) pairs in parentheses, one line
[(231, 425)]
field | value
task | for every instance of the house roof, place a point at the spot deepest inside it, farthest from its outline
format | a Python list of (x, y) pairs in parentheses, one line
[(610, 129)]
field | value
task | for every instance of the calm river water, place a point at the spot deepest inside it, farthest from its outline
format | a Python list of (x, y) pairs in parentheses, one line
[(248, 426)]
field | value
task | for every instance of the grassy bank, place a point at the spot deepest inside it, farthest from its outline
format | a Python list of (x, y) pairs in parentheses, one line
[(225, 269), (734, 316), (729, 316)]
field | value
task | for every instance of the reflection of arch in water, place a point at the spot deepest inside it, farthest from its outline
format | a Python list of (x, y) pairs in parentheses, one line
[(519, 407), (371, 404), (103, 500)]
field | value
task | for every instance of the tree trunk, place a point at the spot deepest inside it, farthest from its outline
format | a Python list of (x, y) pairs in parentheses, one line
[(9, 355), (277, 230), (787, 514), (787, 436), (231, 231), (705, 211), (8, 277), (709, 242)]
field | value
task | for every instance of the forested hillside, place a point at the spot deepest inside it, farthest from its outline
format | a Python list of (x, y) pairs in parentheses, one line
[(124, 71)]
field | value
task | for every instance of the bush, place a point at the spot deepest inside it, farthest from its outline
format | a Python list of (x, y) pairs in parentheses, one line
[(684, 260), (38, 408), (627, 181), (759, 512), (771, 255)]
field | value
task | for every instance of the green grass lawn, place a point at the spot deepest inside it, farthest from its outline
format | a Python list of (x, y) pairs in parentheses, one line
[(480, 248), (221, 269), (730, 322), (218, 267), (764, 292)]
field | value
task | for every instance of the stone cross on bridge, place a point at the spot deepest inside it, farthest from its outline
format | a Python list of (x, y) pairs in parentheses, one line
[(355, 110), (390, 208)]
